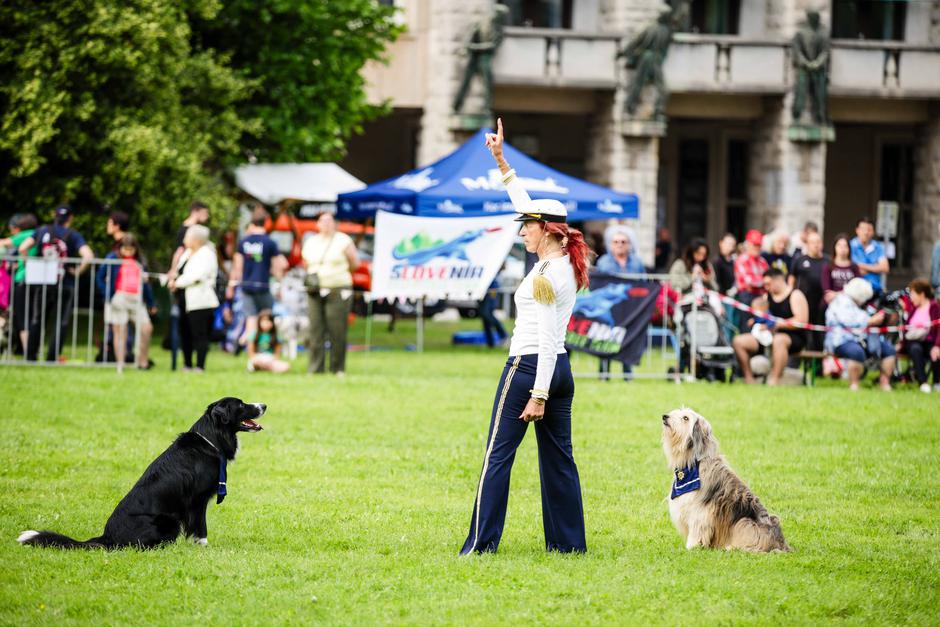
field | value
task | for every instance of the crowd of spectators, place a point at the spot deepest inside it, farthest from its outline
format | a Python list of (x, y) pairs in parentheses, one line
[(776, 282), (793, 280)]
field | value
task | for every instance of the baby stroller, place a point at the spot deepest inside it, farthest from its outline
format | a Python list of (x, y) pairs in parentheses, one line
[(702, 327)]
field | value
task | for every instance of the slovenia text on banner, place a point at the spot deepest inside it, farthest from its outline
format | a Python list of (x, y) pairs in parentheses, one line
[(438, 257), (610, 320)]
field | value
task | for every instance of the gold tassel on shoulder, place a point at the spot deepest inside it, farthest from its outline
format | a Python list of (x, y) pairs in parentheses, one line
[(542, 290)]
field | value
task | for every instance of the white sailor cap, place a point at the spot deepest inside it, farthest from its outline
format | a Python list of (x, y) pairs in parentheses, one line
[(544, 209)]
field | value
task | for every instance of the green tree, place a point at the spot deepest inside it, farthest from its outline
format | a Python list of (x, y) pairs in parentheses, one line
[(306, 57), (142, 106), (108, 104)]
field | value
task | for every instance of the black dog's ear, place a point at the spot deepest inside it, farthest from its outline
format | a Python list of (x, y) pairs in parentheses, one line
[(218, 413)]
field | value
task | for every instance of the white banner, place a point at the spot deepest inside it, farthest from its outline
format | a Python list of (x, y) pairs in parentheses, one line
[(439, 257)]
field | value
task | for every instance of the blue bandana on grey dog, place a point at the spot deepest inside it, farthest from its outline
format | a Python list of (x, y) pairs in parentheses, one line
[(687, 480)]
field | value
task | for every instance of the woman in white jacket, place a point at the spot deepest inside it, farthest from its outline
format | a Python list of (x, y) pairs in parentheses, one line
[(196, 274), (536, 384)]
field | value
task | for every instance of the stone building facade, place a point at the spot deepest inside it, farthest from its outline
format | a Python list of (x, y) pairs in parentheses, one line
[(724, 160)]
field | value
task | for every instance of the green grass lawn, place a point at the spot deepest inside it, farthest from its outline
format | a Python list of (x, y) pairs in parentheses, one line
[(351, 505)]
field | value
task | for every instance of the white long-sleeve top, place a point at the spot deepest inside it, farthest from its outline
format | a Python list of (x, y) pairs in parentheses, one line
[(541, 328), (198, 277)]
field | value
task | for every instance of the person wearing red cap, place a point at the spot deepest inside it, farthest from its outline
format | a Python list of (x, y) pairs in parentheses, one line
[(749, 269)]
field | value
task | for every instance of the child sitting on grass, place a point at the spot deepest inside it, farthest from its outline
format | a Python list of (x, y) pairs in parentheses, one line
[(263, 348)]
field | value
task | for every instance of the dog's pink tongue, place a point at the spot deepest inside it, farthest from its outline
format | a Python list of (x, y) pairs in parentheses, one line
[(251, 424)]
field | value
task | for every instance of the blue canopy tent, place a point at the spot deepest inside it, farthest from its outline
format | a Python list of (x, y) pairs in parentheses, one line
[(468, 183)]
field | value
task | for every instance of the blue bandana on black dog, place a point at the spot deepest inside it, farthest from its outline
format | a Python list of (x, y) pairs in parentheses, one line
[(687, 480), (220, 495)]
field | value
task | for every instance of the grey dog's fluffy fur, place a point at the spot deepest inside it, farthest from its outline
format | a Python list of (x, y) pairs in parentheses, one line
[(723, 512)]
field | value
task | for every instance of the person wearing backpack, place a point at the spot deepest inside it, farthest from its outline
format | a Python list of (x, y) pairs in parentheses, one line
[(56, 241)]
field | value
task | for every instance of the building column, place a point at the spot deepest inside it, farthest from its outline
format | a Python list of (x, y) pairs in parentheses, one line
[(926, 218), (787, 179), (626, 164), (449, 30)]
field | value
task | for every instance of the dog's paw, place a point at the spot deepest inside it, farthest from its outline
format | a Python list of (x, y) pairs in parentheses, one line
[(202, 541), (26, 536)]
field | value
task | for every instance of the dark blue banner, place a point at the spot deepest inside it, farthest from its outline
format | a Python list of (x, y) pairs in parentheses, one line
[(611, 319)]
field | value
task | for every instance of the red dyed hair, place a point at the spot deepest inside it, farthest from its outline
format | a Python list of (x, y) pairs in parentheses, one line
[(576, 247)]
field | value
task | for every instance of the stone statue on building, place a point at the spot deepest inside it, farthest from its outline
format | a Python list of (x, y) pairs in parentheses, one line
[(810, 50), (484, 41), (646, 54)]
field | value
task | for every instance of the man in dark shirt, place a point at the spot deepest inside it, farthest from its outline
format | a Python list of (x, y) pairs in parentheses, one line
[(806, 276), (257, 258), (119, 223), (724, 264), (54, 301), (198, 214), (663, 250)]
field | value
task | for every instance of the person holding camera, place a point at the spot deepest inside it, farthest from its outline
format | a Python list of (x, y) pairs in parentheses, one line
[(692, 266), (329, 258)]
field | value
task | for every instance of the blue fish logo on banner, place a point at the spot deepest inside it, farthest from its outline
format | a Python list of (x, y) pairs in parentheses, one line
[(612, 318), (418, 250), (599, 303)]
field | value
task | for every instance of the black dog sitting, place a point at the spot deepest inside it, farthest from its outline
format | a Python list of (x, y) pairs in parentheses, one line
[(174, 491)]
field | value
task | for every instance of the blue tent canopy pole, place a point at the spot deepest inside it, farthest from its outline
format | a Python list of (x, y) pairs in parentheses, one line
[(467, 183)]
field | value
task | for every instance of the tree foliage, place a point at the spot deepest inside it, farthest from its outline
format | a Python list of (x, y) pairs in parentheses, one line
[(107, 104), (305, 56), (140, 106)]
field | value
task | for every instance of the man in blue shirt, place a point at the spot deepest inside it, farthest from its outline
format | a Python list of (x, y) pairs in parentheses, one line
[(869, 254), (257, 258), (621, 258), (56, 241)]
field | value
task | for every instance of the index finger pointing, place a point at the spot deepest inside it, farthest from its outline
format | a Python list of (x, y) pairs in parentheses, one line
[(499, 127)]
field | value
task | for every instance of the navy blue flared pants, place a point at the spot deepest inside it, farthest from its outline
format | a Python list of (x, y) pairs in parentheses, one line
[(562, 511)]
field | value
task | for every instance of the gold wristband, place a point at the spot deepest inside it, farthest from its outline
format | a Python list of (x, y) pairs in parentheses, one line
[(538, 401)]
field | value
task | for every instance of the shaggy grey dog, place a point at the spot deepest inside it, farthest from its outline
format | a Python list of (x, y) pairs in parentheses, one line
[(709, 504)]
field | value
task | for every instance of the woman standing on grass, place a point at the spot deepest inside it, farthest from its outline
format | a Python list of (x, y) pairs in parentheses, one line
[(330, 257), (536, 384), (196, 273)]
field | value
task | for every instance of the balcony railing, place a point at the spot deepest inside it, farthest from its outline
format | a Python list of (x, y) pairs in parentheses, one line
[(716, 64), (887, 68), (550, 57), (725, 63)]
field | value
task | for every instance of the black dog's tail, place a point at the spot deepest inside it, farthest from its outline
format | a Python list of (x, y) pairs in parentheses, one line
[(48, 538)]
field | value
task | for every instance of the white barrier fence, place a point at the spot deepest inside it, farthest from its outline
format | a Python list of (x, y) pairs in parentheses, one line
[(54, 315), (58, 315), (667, 340)]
